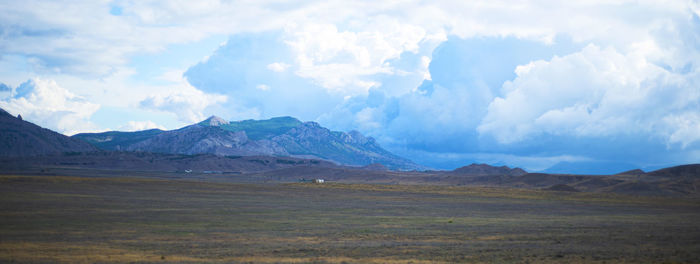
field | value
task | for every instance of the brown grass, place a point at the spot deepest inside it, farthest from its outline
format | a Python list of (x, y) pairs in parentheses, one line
[(123, 220)]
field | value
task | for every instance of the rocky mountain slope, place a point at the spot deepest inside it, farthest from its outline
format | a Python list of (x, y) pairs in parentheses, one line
[(22, 138), (282, 136)]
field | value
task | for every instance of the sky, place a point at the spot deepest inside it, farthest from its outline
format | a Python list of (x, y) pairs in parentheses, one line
[(556, 86)]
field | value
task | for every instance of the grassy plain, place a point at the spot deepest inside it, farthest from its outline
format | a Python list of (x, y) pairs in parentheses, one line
[(122, 219)]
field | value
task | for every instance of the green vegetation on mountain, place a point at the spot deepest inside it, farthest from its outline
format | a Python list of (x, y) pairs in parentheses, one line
[(263, 129), (114, 140)]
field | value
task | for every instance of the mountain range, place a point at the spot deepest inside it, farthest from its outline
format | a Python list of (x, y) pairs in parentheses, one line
[(281, 136), (254, 150)]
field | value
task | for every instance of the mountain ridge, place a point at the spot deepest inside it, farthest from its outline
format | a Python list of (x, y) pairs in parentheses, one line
[(279, 136), (19, 138)]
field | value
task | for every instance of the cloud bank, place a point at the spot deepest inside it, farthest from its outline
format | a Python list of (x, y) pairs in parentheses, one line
[(588, 86)]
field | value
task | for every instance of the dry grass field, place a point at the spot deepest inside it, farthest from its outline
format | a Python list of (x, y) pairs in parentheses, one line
[(45, 219)]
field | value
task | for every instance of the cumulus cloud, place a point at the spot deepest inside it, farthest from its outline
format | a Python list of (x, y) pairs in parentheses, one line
[(241, 69), (521, 99), (595, 92), (441, 114), (237, 68), (47, 104), (684, 128), (187, 103), (339, 60)]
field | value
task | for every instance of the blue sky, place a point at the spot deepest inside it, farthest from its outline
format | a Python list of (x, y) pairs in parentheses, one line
[(584, 87)]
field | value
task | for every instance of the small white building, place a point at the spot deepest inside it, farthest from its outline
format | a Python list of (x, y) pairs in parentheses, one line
[(318, 181)]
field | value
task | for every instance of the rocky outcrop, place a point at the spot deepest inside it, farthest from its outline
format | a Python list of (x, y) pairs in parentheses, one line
[(214, 121)]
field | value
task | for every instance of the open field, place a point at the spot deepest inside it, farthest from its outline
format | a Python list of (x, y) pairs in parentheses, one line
[(122, 219)]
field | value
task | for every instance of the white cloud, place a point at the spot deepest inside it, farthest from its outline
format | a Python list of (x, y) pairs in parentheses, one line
[(341, 60), (49, 105), (425, 63), (685, 128), (594, 93), (173, 76), (186, 102), (140, 125), (81, 37), (278, 66)]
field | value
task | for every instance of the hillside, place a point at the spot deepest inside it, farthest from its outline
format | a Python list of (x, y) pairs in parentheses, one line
[(485, 169), (683, 171), (281, 136), (22, 138), (156, 162)]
